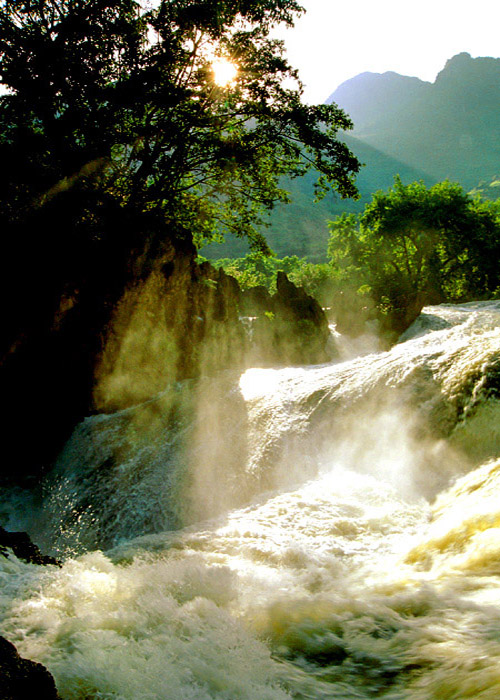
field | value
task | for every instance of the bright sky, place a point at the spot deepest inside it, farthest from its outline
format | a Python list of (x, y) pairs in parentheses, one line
[(337, 39)]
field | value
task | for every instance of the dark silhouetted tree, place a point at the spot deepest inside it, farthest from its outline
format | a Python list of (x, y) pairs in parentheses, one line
[(111, 97), (118, 149)]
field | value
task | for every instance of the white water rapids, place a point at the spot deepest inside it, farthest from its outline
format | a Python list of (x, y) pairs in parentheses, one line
[(326, 532)]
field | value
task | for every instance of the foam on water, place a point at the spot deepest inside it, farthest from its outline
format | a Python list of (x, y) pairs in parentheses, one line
[(338, 589), (341, 581)]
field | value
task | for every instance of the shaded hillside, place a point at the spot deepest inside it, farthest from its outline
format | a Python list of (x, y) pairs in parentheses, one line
[(376, 101), (449, 129), (300, 228)]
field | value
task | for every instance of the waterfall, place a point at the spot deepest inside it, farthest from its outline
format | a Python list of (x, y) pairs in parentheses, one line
[(324, 532)]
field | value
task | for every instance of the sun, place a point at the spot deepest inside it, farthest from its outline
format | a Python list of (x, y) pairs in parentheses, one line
[(224, 71)]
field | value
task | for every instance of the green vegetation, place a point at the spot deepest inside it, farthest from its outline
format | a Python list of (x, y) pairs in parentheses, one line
[(411, 246), (112, 106), (301, 226), (120, 152), (415, 245), (256, 270)]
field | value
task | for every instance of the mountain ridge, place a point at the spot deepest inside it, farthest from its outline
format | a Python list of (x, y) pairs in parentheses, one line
[(449, 128)]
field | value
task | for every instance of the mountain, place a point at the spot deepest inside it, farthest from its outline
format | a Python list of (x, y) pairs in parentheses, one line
[(449, 128), (402, 125)]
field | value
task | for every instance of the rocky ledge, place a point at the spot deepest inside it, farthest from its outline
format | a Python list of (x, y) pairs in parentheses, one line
[(22, 679), (21, 545)]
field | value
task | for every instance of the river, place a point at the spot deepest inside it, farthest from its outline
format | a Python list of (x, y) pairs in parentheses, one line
[(326, 532)]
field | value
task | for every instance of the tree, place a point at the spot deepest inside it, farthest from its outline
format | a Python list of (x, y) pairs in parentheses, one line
[(120, 102), (415, 245), (256, 269), (117, 144)]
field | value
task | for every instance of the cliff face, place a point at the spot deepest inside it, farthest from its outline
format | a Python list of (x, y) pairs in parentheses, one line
[(179, 322), (104, 348), (188, 320)]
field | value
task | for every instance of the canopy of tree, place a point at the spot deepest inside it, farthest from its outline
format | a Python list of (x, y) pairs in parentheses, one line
[(118, 103), (415, 245)]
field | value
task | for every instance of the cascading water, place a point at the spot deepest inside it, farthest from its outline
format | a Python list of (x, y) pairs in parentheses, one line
[(271, 536)]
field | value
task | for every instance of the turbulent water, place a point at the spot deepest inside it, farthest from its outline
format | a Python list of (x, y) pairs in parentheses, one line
[(322, 532)]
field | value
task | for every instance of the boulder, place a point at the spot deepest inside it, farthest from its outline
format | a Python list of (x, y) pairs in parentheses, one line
[(22, 679), (290, 328), (293, 302), (22, 546)]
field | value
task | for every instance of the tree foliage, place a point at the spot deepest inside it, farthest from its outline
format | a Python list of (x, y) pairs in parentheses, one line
[(415, 245), (118, 101), (256, 269)]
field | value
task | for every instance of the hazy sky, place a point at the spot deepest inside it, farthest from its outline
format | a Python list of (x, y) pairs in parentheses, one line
[(337, 39)]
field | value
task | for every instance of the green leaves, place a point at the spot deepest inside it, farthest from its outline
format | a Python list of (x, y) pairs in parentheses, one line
[(114, 82), (415, 245)]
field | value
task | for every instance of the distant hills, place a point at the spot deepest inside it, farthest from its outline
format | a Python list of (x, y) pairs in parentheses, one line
[(406, 126), (449, 128)]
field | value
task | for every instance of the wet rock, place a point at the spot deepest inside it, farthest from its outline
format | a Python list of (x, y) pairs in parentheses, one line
[(120, 341), (256, 301), (182, 322), (294, 304), (300, 325), (22, 546), (22, 679)]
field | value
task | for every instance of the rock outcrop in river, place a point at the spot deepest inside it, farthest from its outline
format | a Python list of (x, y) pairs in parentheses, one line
[(23, 679), (110, 346)]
